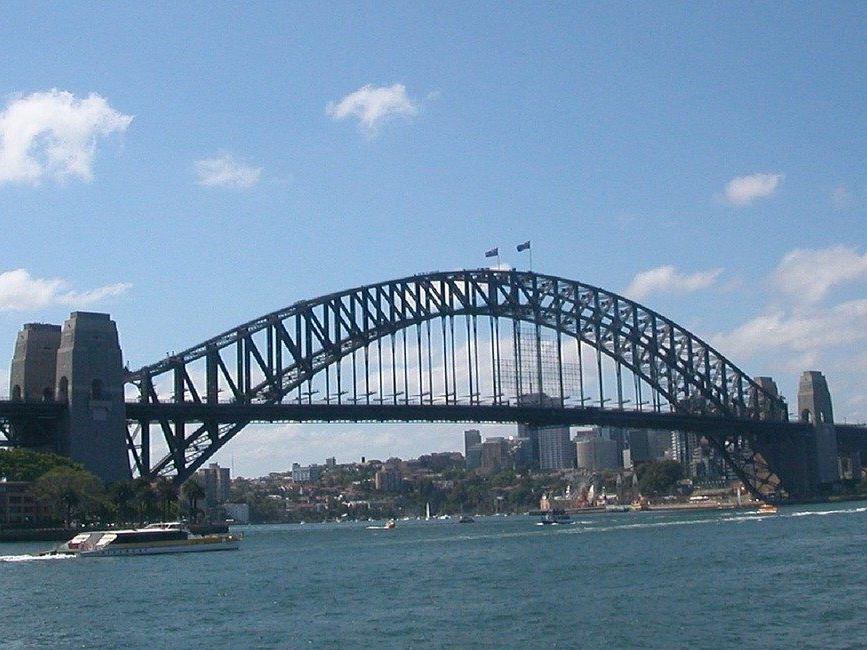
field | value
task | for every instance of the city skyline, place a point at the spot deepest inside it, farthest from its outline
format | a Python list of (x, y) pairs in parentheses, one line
[(186, 170)]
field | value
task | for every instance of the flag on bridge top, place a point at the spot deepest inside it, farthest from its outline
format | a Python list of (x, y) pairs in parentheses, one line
[(524, 246), (494, 252)]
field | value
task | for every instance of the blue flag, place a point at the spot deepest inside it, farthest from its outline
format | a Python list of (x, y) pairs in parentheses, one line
[(494, 252), (524, 246)]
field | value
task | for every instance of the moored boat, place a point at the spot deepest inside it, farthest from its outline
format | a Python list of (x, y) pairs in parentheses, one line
[(173, 537), (767, 509)]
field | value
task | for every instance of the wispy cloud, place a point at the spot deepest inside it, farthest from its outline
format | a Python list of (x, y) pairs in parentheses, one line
[(743, 190), (54, 135), (841, 197), (807, 275), (802, 336), (19, 291), (373, 106), (666, 279), (225, 171)]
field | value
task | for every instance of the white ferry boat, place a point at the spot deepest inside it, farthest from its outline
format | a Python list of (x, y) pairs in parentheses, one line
[(172, 537)]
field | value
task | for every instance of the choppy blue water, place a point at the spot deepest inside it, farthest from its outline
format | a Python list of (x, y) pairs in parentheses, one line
[(633, 580)]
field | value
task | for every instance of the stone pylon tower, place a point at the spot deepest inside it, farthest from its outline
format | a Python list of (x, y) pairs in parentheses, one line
[(814, 406), (766, 408), (89, 379), (35, 362), (814, 399), (32, 379)]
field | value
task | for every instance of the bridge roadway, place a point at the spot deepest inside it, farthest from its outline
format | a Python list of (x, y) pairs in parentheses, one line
[(318, 412), (226, 412)]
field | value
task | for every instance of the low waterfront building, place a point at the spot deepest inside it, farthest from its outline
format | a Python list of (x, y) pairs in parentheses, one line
[(17, 505)]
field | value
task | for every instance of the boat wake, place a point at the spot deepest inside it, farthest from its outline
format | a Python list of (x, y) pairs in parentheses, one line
[(33, 558), (822, 513)]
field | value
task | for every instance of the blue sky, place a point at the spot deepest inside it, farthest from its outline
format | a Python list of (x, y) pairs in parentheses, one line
[(190, 168)]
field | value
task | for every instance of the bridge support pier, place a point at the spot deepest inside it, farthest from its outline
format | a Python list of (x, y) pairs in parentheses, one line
[(807, 463), (791, 456)]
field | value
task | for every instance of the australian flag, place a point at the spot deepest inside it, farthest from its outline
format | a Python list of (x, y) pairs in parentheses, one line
[(492, 253), (524, 246)]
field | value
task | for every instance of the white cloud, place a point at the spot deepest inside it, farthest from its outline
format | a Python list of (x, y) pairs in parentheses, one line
[(19, 291), (805, 332), (666, 279), (743, 190), (801, 330), (808, 275), (53, 135), (93, 296), (374, 106), (225, 171)]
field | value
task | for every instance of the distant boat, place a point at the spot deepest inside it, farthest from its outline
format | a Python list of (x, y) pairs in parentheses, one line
[(427, 512), (766, 509), (466, 519), (554, 518), (389, 525)]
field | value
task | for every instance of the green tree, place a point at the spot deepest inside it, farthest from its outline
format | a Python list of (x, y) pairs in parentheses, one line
[(146, 500), (658, 478), (122, 496), (167, 491), (193, 493), (29, 465), (70, 494)]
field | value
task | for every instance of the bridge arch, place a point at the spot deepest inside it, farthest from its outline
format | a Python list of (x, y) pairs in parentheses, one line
[(308, 348)]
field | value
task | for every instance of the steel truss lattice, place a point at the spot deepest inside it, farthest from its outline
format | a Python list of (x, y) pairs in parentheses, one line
[(397, 343)]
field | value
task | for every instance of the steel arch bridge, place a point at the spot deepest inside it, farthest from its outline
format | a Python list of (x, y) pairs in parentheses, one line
[(471, 345)]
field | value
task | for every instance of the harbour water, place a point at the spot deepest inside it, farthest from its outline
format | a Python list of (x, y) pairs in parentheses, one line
[(721, 579)]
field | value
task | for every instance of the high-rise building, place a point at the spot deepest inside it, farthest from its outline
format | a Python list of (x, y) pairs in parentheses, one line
[(472, 449), (495, 455), (471, 437), (556, 450), (683, 445), (388, 479), (216, 482), (596, 454)]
